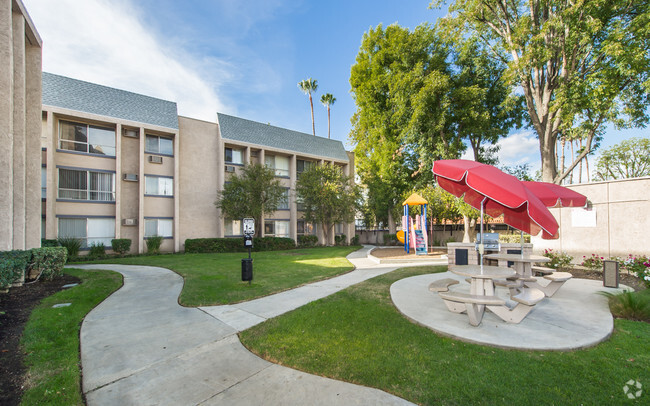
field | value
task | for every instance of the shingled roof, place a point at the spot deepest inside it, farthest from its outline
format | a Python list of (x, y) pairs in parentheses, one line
[(73, 94), (252, 132)]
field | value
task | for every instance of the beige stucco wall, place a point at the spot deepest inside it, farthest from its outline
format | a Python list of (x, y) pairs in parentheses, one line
[(622, 225), (20, 99), (198, 183)]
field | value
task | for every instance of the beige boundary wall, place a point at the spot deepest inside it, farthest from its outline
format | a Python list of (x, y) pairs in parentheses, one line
[(20, 127), (616, 223)]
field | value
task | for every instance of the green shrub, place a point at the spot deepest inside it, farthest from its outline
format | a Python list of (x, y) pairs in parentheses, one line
[(629, 305), (390, 239), (513, 238), (72, 244), (207, 245), (121, 245), (49, 243), (48, 262), (340, 239), (306, 241), (640, 266), (97, 250), (153, 244), (12, 266), (355, 240), (559, 260)]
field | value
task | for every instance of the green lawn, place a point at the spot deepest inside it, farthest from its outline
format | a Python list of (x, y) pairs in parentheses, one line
[(213, 279), (358, 336), (51, 339)]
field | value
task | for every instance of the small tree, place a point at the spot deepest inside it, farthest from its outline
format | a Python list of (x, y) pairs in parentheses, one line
[(629, 159), (329, 197), (251, 194)]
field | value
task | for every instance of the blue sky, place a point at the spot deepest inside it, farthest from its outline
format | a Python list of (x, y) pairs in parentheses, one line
[(240, 57)]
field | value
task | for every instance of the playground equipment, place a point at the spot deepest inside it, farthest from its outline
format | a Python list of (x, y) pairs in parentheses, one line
[(414, 234)]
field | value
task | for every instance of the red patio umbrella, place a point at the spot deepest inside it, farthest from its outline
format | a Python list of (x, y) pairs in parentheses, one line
[(487, 188), (553, 195)]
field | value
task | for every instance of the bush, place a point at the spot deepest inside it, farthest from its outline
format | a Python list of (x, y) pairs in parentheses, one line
[(12, 266), (340, 239), (594, 262), (49, 243), (207, 245), (559, 260), (121, 245), (629, 305), (390, 239), (513, 238), (97, 250), (153, 244), (639, 266), (48, 262), (355, 240), (306, 241), (73, 245)]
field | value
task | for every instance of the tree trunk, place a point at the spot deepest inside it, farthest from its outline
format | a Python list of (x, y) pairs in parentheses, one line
[(392, 228), (572, 155), (580, 168), (328, 122), (313, 126)]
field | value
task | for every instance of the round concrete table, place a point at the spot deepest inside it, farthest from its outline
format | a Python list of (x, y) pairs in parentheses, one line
[(523, 263)]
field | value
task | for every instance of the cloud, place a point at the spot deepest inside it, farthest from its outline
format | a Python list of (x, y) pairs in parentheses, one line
[(106, 42), (519, 148)]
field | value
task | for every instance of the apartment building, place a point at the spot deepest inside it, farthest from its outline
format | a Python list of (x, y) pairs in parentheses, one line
[(122, 165), (20, 108)]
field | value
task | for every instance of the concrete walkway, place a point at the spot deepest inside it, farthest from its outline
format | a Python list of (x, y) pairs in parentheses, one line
[(140, 347)]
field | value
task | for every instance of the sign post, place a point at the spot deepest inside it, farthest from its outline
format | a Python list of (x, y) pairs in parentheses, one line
[(247, 263)]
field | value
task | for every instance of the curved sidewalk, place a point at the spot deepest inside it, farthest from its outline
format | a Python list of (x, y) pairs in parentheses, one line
[(139, 346)]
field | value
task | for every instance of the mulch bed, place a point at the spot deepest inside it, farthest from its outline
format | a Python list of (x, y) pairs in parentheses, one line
[(15, 308)]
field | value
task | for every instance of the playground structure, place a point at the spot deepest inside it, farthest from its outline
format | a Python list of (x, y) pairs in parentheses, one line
[(414, 234)]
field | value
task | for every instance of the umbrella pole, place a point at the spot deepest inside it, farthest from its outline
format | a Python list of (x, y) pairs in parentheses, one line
[(522, 243), (481, 246)]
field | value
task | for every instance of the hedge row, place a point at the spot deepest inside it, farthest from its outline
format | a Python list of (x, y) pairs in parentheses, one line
[(206, 245), (45, 262)]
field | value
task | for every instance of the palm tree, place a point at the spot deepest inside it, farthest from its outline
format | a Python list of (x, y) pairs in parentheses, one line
[(328, 99), (308, 86)]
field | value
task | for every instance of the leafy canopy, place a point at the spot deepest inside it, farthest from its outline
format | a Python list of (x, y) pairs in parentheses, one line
[(251, 194), (328, 196), (628, 159)]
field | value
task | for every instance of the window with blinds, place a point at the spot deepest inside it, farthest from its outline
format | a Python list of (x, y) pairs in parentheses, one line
[(86, 185)]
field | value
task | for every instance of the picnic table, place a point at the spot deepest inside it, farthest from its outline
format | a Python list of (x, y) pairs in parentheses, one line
[(522, 263)]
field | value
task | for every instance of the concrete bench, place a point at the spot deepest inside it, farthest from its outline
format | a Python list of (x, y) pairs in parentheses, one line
[(542, 269), (442, 285), (474, 305), (557, 279), (526, 299)]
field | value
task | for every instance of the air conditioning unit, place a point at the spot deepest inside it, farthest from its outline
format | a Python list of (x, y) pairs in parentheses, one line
[(131, 177), (129, 222), (131, 133), (230, 168), (155, 159)]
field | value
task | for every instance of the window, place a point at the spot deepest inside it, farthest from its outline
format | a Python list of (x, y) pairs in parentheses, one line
[(161, 227), (284, 202), (233, 156), (232, 227), (302, 165), (279, 163), (88, 230), (300, 203), (158, 186), (159, 145), (305, 228), (43, 182), (276, 228), (339, 229), (86, 185), (86, 138)]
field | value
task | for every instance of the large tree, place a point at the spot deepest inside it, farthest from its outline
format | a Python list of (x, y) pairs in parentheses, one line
[(629, 159), (308, 86), (580, 64), (418, 98), (255, 192), (329, 197)]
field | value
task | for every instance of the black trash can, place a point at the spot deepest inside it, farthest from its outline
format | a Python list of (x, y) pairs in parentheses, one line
[(247, 269)]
